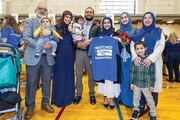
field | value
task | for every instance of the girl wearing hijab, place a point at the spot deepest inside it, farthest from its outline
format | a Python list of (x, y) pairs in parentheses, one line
[(154, 40), (126, 96), (63, 71), (103, 51)]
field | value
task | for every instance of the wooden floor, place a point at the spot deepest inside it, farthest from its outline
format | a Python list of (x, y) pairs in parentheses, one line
[(167, 109)]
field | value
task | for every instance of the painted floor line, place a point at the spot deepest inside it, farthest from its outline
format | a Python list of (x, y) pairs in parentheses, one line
[(60, 113), (119, 110)]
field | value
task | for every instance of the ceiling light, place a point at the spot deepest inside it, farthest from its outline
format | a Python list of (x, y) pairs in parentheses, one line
[(170, 21), (116, 21)]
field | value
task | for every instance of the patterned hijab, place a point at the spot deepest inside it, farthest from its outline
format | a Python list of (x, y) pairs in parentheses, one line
[(108, 32), (150, 33)]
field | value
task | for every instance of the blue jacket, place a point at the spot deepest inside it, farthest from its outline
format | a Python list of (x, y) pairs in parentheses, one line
[(172, 49)]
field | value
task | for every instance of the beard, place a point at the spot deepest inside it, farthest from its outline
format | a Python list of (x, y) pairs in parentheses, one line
[(40, 15), (89, 19)]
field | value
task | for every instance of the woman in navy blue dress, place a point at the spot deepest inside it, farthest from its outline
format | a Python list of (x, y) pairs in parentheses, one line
[(63, 71)]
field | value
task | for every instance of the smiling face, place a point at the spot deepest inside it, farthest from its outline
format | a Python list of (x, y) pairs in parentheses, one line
[(67, 19), (147, 20), (107, 24), (89, 14), (124, 19), (140, 49)]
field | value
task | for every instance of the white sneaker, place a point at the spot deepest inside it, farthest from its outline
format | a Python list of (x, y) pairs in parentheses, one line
[(53, 54), (37, 55)]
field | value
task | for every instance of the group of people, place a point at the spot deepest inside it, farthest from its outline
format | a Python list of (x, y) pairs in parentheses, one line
[(135, 77), (59, 66)]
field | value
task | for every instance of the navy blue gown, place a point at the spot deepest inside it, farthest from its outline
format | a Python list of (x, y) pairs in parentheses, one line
[(63, 72)]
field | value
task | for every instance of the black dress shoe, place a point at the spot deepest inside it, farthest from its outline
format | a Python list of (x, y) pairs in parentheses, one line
[(77, 100), (92, 100)]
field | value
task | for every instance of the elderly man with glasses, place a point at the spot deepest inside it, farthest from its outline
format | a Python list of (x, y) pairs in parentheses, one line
[(36, 68)]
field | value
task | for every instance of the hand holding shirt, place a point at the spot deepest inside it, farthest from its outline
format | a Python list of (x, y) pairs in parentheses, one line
[(103, 51)]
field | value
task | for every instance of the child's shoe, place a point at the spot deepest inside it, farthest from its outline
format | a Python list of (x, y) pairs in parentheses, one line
[(53, 54), (141, 109), (152, 118), (135, 115), (37, 55)]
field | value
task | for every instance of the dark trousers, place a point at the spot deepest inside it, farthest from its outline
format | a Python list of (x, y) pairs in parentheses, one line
[(33, 73), (173, 64), (143, 100)]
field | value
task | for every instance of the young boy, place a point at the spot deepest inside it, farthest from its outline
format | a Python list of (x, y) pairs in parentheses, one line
[(142, 81), (76, 29), (46, 24)]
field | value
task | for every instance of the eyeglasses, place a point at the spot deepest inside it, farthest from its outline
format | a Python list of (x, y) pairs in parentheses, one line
[(39, 8)]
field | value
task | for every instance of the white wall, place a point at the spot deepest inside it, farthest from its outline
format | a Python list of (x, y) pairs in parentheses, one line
[(75, 6), (20, 6), (78, 6), (158, 6)]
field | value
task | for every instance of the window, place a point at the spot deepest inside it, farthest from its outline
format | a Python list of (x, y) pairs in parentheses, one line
[(117, 6)]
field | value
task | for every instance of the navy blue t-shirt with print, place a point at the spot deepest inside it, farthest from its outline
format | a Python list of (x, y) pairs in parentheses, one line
[(103, 51)]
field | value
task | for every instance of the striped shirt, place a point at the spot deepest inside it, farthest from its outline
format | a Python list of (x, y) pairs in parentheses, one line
[(87, 26), (141, 76)]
